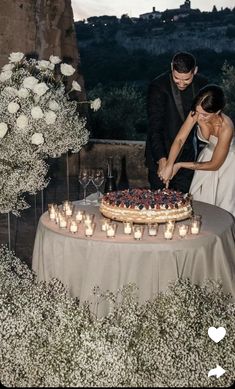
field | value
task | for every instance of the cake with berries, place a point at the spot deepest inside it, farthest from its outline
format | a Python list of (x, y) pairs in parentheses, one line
[(146, 206)]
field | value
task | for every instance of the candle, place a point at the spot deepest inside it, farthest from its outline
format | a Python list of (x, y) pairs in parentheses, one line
[(104, 224), (89, 230), (69, 211), (168, 234), (183, 229), (79, 215), (152, 229), (194, 230), (111, 230), (63, 223), (127, 228), (137, 232), (52, 215), (88, 219), (73, 226)]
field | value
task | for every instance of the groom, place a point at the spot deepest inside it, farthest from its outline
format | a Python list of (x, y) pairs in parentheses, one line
[(170, 96)]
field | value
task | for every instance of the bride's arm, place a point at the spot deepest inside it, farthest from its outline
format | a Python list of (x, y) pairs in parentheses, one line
[(166, 173), (219, 155)]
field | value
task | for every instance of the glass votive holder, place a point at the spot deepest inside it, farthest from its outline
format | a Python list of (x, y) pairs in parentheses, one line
[(127, 228), (152, 229), (88, 219), (66, 204), (138, 231), (69, 210), (195, 226), (183, 230), (168, 231), (79, 215), (111, 230), (73, 227), (104, 224), (62, 222), (89, 229)]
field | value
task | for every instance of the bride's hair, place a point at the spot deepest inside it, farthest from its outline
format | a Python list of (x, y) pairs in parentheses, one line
[(211, 98)]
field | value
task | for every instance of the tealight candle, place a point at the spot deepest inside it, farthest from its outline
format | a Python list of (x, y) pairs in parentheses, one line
[(63, 223), (69, 211), (89, 229), (88, 219), (138, 232), (194, 228), (127, 228), (52, 215), (79, 215), (168, 234), (111, 230), (73, 226), (183, 229), (152, 229), (104, 224)]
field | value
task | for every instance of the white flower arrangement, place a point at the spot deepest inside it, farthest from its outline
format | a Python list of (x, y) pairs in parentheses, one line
[(38, 119), (49, 340)]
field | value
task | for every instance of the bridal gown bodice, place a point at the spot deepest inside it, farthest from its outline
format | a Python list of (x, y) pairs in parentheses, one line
[(215, 187)]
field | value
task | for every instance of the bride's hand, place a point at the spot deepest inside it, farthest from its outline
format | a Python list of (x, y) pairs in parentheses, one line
[(166, 173)]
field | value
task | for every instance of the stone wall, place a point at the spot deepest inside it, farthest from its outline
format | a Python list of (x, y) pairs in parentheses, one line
[(96, 153), (43, 27)]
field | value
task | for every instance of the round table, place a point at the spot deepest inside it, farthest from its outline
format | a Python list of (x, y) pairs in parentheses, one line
[(82, 263)]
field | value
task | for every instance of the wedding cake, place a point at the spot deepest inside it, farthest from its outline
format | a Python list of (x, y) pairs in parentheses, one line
[(146, 206)]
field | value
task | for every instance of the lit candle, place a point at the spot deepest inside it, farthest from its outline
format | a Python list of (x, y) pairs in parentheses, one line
[(104, 224), (127, 228), (89, 229), (79, 215), (63, 223), (152, 229), (88, 219), (183, 229), (73, 226), (194, 229), (138, 232), (168, 234), (69, 211), (52, 215), (111, 229)]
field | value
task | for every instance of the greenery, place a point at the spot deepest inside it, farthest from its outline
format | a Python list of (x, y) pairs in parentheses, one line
[(48, 339), (123, 113), (228, 85), (118, 66)]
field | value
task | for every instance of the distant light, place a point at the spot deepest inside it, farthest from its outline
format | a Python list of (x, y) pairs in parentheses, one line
[(172, 20), (93, 25), (164, 21), (105, 24)]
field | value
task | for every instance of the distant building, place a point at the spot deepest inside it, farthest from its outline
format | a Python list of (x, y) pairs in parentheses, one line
[(171, 14), (151, 15)]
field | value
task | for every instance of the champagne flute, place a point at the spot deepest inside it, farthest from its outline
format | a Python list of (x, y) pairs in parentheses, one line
[(97, 180), (84, 178)]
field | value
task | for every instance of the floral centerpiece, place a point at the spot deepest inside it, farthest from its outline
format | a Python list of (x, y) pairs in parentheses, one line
[(38, 119)]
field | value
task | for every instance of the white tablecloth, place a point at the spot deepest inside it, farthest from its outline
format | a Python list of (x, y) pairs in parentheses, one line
[(82, 263)]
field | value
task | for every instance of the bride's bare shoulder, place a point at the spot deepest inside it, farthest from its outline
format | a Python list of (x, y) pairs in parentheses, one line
[(227, 122)]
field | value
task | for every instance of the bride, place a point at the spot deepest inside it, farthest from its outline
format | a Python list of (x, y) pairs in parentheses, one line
[(214, 177)]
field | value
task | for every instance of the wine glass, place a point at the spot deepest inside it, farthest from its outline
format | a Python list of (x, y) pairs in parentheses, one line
[(84, 178), (97, 180)]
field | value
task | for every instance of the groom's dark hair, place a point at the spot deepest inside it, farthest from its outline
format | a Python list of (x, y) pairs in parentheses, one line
[(183, 62)]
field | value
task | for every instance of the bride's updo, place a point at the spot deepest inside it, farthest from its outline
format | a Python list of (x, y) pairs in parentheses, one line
[(211, 98)]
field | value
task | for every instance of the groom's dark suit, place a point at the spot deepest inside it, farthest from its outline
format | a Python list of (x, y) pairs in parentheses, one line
[(168, 107)]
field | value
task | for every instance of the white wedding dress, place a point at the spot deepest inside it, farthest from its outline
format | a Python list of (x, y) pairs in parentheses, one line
[(215, 187)]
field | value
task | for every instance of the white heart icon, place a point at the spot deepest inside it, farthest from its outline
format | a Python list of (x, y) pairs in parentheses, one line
[(216, 334)]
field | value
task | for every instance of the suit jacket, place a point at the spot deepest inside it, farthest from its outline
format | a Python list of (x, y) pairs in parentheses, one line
[(166, 116)]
